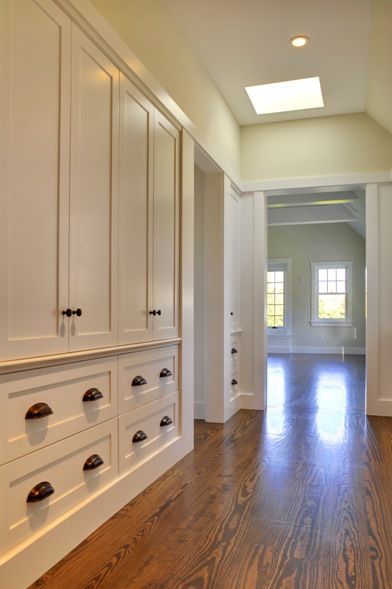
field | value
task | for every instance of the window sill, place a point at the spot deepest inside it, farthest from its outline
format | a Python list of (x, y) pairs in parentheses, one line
[(330, 323)]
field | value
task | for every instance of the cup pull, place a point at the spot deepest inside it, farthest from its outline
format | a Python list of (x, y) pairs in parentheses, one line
[(138, 381), (94, 461), (92, 395), (234, 351), (140, 436), (40, 492), (38, 411), (165, 372), (234, 382), (166, 420)]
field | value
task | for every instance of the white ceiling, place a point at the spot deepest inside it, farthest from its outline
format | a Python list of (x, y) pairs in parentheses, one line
[(245, 42)]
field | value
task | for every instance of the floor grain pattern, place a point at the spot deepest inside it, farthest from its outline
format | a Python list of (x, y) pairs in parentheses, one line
[(297, 497)]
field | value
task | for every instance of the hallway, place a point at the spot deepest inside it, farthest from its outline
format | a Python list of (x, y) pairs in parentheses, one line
[(298, 497)]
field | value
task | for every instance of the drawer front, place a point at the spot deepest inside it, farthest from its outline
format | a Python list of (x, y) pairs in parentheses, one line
[(145, 431), (62, 465), (142, 376), (62, 390), (235, 353)]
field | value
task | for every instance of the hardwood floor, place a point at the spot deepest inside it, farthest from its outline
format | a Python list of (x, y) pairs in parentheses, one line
[(299, 496)]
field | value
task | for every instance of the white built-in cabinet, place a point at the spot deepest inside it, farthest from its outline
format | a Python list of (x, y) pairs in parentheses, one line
[(90, 199), (148, 220), (90, 359)]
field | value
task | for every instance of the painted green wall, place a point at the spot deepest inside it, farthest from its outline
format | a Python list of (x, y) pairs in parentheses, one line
[(315, 147), (313, 243)]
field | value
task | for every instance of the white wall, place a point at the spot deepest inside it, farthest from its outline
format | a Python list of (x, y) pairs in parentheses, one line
[(379, 89), (315, 147), (148, 28), (304, 244)]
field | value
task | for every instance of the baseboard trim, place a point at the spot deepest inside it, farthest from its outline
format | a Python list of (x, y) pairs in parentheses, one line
[(199, 410), (341, 350)]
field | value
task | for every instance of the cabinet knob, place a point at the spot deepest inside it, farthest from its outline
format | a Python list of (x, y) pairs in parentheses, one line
[(140, 436), (234, 382), (234, 351), (40, 492), (38, 411), (153, 312), (159, 312), (92, 395), (166, 420), (93, 462), (77, 312), (231, 313), (67, 312), (138, 381), (165, 372)]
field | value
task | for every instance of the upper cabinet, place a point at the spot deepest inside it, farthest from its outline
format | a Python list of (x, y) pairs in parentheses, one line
[(35, 67), (94, 193), (148, 220), (89, 202)]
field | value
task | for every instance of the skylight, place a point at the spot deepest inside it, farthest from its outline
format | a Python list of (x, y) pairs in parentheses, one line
[(286, 96)]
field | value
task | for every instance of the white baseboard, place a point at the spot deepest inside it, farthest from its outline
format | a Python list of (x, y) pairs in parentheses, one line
[(199, 410), (341, 350), (279, 349), (250, 401)]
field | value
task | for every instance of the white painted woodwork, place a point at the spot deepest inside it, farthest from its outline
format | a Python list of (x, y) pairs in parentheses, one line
[(147, 419), (166, 231), (135, 221), (93, 203), (34, 165), (61, 464), (234, 237), (147, 364), (379, 295), (62, 389)]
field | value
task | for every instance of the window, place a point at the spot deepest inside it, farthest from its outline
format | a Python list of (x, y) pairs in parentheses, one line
[(331, 293), (278, 312)]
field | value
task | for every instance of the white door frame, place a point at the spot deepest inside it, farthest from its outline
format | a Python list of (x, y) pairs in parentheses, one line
[(374, 404)]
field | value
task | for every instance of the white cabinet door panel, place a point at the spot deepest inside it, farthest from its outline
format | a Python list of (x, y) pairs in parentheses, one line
[(135, 214), (94, 133), (35, 74), (166, 211)]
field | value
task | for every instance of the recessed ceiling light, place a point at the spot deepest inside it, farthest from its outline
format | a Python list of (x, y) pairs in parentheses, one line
[(299, 41), (286, 96)]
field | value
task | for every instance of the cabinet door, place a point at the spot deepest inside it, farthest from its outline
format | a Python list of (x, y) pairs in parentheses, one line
[(166, 211), (94, 133), (135, 214), (235, 259), (35, 75)]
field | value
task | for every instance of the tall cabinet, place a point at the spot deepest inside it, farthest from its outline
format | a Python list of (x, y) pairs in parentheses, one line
[(89, 270)]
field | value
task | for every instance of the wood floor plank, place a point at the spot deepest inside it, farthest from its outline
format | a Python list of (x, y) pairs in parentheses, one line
[(297, 497)]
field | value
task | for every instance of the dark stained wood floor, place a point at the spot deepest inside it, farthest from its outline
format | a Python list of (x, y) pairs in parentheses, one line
[(297, 497)]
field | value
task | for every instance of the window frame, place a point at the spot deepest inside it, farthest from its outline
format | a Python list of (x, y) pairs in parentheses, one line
[(315, 319), (281, 265)]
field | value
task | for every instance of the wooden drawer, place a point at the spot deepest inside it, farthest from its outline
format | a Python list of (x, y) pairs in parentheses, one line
[(61, 465), (62, 389), (150, 366), (147, 420)]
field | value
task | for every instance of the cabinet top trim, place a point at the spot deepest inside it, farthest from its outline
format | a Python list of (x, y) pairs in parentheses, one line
[(21, 364)]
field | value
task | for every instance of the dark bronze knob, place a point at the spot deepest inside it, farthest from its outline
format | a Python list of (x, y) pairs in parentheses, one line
[(94, 461), (234, 382), (234, 351), (231, 313), (138, 381), (153, 312), (77, 312), (165, 372), (159, 312), (38, 411), (40, 492), (166, 421), (67, 312), (140, 436), (92, 395)]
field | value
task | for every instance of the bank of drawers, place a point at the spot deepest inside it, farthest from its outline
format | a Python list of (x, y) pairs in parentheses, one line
[(235, 366), (40, 487), (117, 412)]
